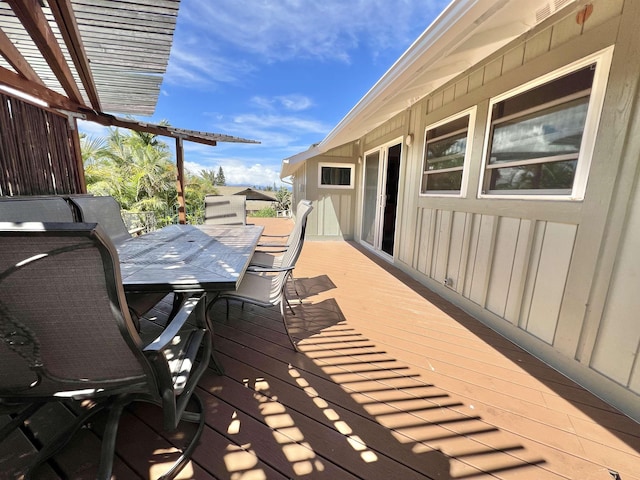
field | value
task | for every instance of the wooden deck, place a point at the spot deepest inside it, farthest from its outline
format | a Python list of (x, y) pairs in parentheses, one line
[(392, 383)]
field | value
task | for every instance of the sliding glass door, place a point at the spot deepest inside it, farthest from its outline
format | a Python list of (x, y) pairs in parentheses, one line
[(380, 198)]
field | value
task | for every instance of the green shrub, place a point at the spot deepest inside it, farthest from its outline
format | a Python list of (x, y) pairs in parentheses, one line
[(265, 212)]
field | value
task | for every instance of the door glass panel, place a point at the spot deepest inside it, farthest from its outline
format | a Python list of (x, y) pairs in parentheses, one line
[(391, 198), (371, 168)]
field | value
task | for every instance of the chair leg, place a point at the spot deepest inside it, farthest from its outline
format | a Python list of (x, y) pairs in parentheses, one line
[(286, 327), (290, 307), (109, 438), (295, 286), (19, 419), (194, 417), (217, 366), (59, 442)]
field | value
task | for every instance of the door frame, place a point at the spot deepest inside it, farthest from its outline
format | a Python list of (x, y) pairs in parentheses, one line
[(383, 159)]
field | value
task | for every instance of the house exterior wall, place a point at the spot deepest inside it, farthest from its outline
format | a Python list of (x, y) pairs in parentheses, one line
[(333, 215), (555, 276), (559, 277)]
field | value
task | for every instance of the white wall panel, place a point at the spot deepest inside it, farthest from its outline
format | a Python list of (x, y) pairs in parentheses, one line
[(456, 248), (482, 259), (441, 245), (500, 279), (550, 280), (617, 348)]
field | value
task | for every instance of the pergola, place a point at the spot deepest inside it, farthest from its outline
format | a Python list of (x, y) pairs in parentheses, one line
[(80, 59)]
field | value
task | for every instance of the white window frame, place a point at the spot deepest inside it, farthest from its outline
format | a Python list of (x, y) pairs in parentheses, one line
[(602, 61), (471, 112), (350, 166)]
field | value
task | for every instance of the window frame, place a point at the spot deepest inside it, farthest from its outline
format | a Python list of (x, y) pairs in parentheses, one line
[(602, 62), (351, 168), (471, 113)]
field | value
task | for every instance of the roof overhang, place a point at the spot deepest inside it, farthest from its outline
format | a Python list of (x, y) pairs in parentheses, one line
[(465, 33)]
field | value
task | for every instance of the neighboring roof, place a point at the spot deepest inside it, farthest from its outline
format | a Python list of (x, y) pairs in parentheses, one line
[(466, 32), (250, 193), (255, 195)]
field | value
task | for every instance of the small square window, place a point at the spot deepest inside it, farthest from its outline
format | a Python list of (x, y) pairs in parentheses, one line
[(445, 154), (335, 175)]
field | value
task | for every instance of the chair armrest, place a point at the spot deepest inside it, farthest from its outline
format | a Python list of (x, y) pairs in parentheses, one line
[(280, 250), (136, 231), (192, 307), (259, 269), (273, 236), (273, 245)]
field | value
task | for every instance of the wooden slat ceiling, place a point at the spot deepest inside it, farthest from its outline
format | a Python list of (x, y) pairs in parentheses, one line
[(92, 56)]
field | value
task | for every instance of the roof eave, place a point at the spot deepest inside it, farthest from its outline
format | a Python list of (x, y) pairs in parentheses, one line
[(443, 51)]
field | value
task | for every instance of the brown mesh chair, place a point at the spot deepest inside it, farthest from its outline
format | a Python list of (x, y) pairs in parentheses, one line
[(35, 209), (225, 210), (105, 210), (67, 336)]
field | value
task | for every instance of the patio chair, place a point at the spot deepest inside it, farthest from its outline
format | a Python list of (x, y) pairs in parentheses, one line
[(105, 211), (285, 240), (265, 285), (67, 336), (35, 209), (273, 257), (225, 210)]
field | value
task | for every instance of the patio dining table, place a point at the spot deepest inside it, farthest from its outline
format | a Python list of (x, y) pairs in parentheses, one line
[(188, 258)]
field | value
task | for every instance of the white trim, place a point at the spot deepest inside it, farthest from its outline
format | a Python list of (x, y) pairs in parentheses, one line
[(383, 161), (350, 166), (471, 112), (602, 59)]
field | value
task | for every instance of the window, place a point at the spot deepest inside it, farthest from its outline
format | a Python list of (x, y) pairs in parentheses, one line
[(536, 139), (335, 175), (445, 152)]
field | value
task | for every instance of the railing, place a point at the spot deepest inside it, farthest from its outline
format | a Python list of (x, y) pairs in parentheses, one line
[(140, 222)]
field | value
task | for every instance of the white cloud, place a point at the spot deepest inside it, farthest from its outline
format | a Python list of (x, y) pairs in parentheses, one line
[(279, 30), (292, 102), (237, 173), (203, 66), (93, 129)]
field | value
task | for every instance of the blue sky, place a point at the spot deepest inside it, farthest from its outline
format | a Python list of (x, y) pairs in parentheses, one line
[(283, 72)]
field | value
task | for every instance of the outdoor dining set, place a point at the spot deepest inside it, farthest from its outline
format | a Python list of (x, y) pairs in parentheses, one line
[(77, 292)]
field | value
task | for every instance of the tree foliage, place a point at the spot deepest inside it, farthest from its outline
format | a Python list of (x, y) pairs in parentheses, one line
[(139, 171)]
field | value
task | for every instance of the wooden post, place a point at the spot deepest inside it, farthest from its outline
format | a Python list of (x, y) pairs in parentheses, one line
[(77, 152), (182, 217)]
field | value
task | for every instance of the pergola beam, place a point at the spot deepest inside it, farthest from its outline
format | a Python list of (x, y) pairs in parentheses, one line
[(30, 13), (37, 90), (66, 20), (163, 131), (13, 56)]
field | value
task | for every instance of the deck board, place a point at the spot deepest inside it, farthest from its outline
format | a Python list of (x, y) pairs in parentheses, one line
[(391, 382)]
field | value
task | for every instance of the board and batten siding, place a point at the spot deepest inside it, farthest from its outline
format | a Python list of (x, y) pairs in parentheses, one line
[(333, 214), (560, 278), (515, 268)]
